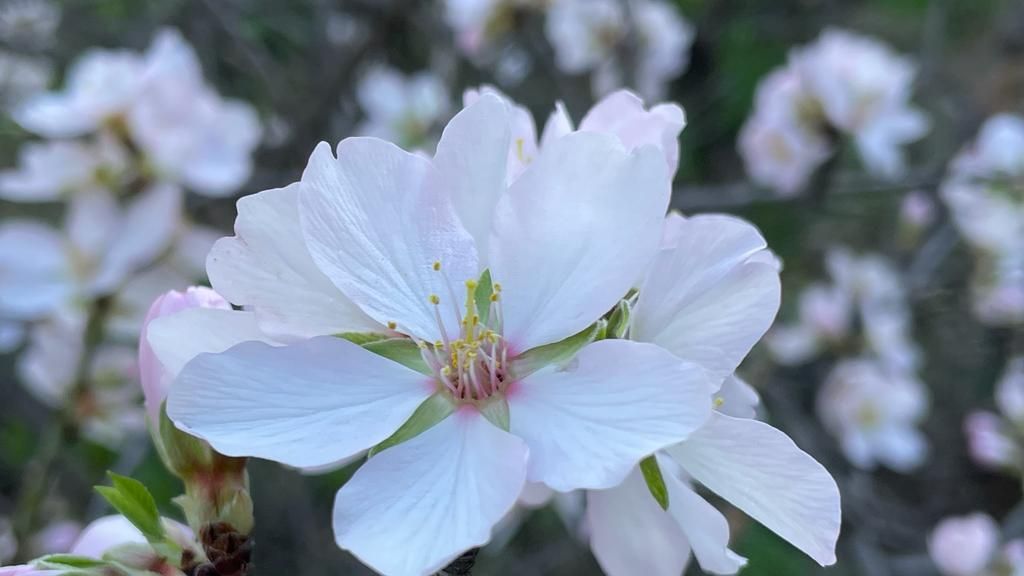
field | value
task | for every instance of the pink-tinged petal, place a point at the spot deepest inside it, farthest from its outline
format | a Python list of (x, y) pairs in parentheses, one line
[(375, 230), (573, 233), (705, 528), (471, 162), (622, 114), (438, 495), (558, 124), (630, 534), (588, 424), (153, 375), (703, 299), (176, 339), (266, 266), (522, 147), (762, 472), (35, 270), (308, 404), (146, 230)]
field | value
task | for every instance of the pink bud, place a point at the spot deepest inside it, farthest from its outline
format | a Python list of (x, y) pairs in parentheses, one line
[(155, 379), (987, 443), (963, 546)]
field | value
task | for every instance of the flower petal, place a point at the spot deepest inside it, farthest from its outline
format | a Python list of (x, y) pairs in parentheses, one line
[(573, 233), (472, 159), (375, 230), (304, 405), (178, 338), (762, 472), (590, 423), (705, 528), (438, 494), (703, 300), (630, 533), (267, 267), (35, 270)]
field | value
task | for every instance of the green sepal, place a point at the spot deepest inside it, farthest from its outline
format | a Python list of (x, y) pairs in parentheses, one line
[(655, 481), (133, 500), (496, 410), (361, 338), (58, 561), (484, 289), (401, 350), (432, 411), (182, 453), (557, 353), (618, 321)]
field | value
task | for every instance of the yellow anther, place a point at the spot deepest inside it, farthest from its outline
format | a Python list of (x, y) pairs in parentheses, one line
[(497, 287), (520, 152), (494, 297), (446, 371), (719, 401), (470, 284), (392, 325), (437, 265), (475, 320), (438, 344), (434, 299)]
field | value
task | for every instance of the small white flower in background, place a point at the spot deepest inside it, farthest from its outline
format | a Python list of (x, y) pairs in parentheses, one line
[(995, 440), (21, 77), (843, 84), (588, 36), (964, 546), (56, 538), (480, 24), (874, 412), (54, 169), (984, 191), (403, 109), (29, 23), (186, 132), (405, 239)]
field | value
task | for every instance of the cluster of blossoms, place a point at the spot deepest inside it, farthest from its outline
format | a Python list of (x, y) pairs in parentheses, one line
[(984, 191), (640, 43), (121, 143), (997, 442), (872, 400), (514, 313), (969, 546), (401, 109), (842, 85)]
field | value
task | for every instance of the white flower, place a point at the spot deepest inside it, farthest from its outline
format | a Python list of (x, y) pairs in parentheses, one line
[(990, 441), (404, 238), (401, 108), (51, 169), (873, 411), (708, 297), (964, 546), (43, 270), (864, 90), (664, 38)]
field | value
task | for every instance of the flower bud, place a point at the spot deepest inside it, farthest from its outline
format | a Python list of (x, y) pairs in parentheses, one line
[(963, 546)]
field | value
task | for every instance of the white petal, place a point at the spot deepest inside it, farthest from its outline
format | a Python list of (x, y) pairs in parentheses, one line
[(471, 161), (105, 533), (702, 300), (375, 230), (622, 113), (35, 270), (308, 404), (704, 527), (762, 472), (573, 233), (438, 494), (267, 267), (630, 534), (558, 124), (590, 423), (737, 398), (146, 230), (178, 338)]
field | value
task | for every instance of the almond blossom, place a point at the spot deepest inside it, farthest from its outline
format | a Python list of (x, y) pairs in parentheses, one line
[(710, 294), (409, 241), (843, 84), (399, 108), (994, 440), (969, 546)]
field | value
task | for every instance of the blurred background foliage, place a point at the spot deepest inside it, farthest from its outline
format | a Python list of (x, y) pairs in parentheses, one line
[(284, 57)]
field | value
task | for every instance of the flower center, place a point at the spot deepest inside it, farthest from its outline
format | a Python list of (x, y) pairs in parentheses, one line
[(471, 367)]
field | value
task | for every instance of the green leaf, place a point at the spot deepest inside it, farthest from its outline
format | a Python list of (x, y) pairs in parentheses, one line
[(655, 481), (430, 412), (618, 322), (484, 289), (69, 561), (496, 410), (557, 353), (401, 350), (361, 338), (131, 498)]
